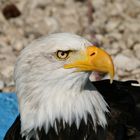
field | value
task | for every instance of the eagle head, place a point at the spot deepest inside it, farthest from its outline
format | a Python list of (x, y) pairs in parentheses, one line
[(52, 82)]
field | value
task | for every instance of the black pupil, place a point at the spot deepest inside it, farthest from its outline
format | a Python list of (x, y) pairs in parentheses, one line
[(63, 53)]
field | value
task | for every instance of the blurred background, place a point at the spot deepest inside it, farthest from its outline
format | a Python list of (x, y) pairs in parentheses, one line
[(114, 23)]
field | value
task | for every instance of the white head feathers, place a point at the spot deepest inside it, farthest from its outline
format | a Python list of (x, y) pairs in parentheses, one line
[(46, 91)]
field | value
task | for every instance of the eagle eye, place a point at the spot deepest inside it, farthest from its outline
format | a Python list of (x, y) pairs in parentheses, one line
[(62, 55)]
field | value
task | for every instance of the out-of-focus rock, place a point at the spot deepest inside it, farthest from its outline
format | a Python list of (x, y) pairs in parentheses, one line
[(122, 73), (11, 11), (112, 24), (99, 37), (126, 63), (18, 46), (8, 89), (52, 24), (1, 85), (114, 35), (128, 53), (113, 49), (122, 45), (136, 71), (98, 3), (8, 71), (137, 50)]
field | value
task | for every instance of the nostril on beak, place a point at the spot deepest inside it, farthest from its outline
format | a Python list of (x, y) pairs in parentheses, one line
[(92, 54)]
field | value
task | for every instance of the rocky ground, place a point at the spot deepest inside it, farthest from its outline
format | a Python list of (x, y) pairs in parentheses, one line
[(115, 24)]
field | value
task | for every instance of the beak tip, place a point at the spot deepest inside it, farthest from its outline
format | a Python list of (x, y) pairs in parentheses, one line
[(111, 81), (111, 77)]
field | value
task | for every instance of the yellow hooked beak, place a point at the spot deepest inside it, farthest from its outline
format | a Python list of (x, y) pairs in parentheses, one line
[(93, 59)]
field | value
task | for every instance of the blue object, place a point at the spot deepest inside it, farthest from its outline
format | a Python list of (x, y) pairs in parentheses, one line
[(8, 112)]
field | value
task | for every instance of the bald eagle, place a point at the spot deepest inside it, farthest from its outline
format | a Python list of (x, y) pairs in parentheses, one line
[(57, 101)]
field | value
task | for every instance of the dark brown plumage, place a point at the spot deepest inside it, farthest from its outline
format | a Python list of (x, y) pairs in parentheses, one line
[(69, 133)]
